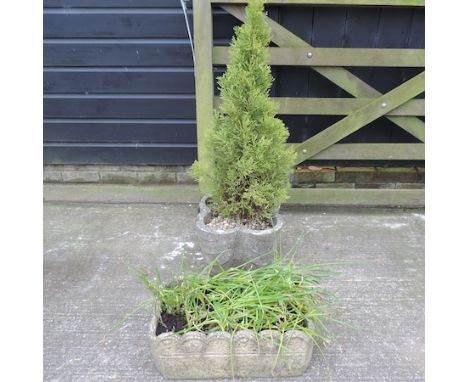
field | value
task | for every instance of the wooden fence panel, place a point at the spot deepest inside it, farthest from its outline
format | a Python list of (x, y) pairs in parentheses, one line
[(329, 55), (121, 72)]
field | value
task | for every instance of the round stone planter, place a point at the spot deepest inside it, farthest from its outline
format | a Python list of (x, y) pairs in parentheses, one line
[(237, 245), (196, 355)]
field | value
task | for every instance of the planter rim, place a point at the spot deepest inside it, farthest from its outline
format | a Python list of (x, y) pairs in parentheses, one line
[(241, 336), (205, 211), (221, 354)]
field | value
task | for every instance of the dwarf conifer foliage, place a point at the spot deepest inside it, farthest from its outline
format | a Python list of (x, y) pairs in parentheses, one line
[(248, 163)]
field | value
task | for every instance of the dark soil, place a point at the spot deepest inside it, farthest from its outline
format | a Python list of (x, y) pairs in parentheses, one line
[(170, 323), (176, 322)]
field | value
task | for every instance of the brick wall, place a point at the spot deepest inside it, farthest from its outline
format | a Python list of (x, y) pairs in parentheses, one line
[(358, 177), (304, 176)]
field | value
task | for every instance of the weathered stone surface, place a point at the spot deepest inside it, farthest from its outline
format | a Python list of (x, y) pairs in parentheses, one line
[(397, 174), (121, 193), (304, 176), (89, 290), (152, 168), (156, 177), (80, 176), (82, 167), (355, 174), (185, 178), (334, 185), (376, 185), (52, 176), (410, 185), (314, 174), (237, 245), (222, 355), (421, 174), (214, 244), (119, 177), (305, 185), (378, 175)]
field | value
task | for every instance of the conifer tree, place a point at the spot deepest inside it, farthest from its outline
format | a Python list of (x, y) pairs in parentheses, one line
[(248, 164)]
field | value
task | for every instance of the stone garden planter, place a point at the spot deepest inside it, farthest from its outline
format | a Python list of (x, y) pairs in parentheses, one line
[(239, 244), (196, 355)]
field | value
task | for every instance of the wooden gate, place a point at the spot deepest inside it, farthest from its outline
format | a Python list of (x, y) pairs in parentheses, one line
[(369, 104)]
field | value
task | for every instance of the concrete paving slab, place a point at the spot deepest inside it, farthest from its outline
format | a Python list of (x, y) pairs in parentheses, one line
[(88, 288)]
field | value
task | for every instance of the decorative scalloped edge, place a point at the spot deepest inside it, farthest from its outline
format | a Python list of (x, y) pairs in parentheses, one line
[(243, 341), (196, 355)]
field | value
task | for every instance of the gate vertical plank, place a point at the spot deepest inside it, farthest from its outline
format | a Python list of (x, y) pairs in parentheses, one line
[(203, 35)]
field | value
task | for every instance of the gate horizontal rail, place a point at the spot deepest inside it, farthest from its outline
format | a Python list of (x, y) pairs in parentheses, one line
[(334, 57)]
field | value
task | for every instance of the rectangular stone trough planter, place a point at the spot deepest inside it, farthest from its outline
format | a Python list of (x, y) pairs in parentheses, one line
[(195, 355), (237, 245)]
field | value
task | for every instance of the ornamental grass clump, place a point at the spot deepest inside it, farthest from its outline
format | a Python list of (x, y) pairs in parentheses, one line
[(248, 164), (280, 296)]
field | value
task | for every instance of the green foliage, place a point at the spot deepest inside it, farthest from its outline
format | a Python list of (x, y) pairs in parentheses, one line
[(279, 296), (248, 166)]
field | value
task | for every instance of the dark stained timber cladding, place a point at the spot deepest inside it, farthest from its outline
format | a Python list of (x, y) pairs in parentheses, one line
[(327, 26), (122, 107), (108, 80), (117, 53), (136, 154), (113, 3), (113, 24), (223, 25), (416, 36), (119, 83), (394, 27), (328, 30), (119, 131), (294, 81), (273, 12), (147, 23), (300, 131), (361, 31), (361, 27), (394, 32), (138, 53)]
